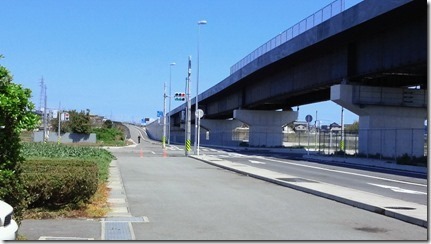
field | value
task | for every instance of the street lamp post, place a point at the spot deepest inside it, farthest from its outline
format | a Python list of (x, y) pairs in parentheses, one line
[(170, 97), (197, 119)]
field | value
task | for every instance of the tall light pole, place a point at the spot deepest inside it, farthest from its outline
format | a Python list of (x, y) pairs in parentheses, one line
[(197, 119), (170, 97)]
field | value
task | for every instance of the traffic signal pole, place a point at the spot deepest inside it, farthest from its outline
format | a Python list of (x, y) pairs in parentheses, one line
[(188, 112)]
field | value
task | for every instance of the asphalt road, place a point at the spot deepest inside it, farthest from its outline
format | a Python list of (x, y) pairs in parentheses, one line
[(185, 199), (390, 185)]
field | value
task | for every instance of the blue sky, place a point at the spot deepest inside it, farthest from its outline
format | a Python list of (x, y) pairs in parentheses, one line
[(113, 56)]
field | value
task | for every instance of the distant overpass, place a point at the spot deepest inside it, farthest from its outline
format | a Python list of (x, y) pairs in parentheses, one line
[(365, 58)]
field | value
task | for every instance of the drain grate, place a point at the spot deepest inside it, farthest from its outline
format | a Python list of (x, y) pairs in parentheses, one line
[(401, 208), (117, 231), (297, 180)]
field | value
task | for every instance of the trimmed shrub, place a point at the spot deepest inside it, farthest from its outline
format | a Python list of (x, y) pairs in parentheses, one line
[(59, 182), (50, 150)]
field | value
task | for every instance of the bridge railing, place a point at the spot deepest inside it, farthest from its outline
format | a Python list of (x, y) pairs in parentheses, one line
[(318, 17)]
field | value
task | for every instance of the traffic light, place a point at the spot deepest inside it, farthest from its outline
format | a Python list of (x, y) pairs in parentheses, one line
[(180, 96)]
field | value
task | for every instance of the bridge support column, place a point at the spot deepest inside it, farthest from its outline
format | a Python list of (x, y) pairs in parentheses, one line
[(391, 120), (265, 127), (220, 132)]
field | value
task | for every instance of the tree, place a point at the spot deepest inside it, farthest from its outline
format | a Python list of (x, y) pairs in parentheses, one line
[(353, 127), (108, 124), (78, 123), (15, 115)]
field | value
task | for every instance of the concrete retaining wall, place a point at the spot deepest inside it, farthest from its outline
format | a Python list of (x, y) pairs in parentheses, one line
[(66, 137)]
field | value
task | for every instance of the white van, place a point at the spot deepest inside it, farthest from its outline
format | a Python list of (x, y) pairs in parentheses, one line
[(8, 226)]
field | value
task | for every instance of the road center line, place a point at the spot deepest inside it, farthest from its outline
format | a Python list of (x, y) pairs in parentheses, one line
[(349, 173)]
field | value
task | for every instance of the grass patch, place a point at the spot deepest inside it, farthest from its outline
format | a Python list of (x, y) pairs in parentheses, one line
[(110, 136)]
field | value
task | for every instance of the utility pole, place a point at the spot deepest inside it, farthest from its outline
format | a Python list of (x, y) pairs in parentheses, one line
[(315, 133), (45, 118), (189, 107), (170, 98), (164, 117), (41, 97), (59, 123), (342, 129)]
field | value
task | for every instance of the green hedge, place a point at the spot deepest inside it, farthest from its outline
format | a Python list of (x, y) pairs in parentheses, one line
[(59, 182), (50, 150)]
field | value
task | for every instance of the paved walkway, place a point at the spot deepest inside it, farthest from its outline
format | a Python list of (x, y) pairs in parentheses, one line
[(407, 211)]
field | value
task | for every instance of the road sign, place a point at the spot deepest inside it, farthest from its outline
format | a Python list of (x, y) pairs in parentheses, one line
[(159, 114), (308, 118), (199, 113)]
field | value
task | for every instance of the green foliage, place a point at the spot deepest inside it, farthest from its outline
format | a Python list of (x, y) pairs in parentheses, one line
[(405, 159), (78, 123), (15, 116), (108, 135), (101, 156), (353, 128), (58, 182), (108, 124)]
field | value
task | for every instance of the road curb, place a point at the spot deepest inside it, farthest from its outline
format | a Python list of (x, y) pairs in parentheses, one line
[(354, 203)]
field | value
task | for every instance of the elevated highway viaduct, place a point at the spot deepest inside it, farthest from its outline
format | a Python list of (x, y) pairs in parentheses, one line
[(366, 58)]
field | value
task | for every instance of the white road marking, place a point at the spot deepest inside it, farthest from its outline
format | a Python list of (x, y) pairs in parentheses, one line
[(256, 162), (349, 173), (398, 189)]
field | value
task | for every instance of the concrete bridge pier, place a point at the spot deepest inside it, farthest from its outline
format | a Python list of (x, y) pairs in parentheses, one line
[(220, 132), (391, 120), (265, 127)]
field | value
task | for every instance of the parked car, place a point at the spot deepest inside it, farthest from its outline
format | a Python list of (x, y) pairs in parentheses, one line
[(8, 226)]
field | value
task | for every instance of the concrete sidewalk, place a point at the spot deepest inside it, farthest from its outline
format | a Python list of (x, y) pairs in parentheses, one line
[(407, 211)]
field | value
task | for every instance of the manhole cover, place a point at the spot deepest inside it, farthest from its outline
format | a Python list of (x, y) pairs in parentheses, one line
[(401, 208), (296, 180)]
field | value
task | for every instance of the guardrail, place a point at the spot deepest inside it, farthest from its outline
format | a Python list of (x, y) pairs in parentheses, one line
[(318, 17)]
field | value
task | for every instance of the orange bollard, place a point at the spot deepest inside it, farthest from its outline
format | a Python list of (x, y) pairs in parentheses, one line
[(141, 154), (165, 154)]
